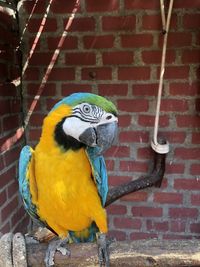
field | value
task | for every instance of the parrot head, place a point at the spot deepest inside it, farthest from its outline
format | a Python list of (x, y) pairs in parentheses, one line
[(84, 119)]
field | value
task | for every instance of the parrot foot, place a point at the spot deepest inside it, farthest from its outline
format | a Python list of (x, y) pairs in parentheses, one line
[(103, 250), (55, 245)]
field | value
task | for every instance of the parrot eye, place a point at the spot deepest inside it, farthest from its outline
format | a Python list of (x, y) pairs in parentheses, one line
[(86, 109)]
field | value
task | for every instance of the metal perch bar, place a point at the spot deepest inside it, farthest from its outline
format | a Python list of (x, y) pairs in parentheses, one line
[(18, 251)]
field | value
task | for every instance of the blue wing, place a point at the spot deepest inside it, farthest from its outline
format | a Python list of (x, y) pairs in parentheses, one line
[(24, 186), (99, 172)]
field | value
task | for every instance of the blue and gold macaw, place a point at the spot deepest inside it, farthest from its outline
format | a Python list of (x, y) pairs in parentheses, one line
[(63, 182)]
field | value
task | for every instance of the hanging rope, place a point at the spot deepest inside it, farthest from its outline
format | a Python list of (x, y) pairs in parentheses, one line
[(162, 148)]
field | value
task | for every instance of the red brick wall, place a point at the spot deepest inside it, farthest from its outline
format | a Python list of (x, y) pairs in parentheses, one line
[(113, 48), (12, 216)]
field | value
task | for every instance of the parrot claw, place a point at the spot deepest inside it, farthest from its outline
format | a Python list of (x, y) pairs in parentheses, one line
[(55, 245), (103, 250)]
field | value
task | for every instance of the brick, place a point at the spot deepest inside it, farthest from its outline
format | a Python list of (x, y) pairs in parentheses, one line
[(135, 196), (176, 237), (157, 226), (195, 199), (118, 180), (133, 166), (195, 228), (191, 21), (197, 104), (12, 155), (35, 7), (145, 89), (3, 197), (133, 73), (20, 226), (125, 23), (177, 39), (49, 89), (62, 7), (3, 72), (80, 58), (168, 198), (4, 106), (197, 38), (137, 4), (102, 6), (118, 151), (184, 89), (153, 22), (174, 105), (154, 56), (190, 56), (188, 121), (136, 40), (139, 236), (16, 218), (50, 103), (10, 123), (148, 120), (104, 73), (117, 58), (119, 235), (133, 105), (36, 119), (195, 138), (35, 25), (40, 58), (81, 24), (70, 88), (9, 208), (175, 72), (13, 189), (187, 184), (116, 209), (195, 169), (10, 89), (2, 162), (144, 153), (7, 176), (186, 4), (146, 211), (113, 89), (32, 74), (174, 137), (15, 105), (34, 134), (98, 41), (187, 153), (124, 120), (134, 136), (127, 223), (5, 228), (183, 213), (70, 42), (110, 164), (177, 226), (173, 168), (62, 74)]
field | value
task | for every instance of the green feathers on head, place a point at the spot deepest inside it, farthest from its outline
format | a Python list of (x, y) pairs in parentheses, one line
[(78, 98)]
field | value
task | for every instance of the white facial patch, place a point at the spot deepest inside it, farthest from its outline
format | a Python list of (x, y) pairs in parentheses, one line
[(73, 126)]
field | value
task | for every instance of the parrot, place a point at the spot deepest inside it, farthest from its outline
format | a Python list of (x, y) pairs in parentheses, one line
[(63, 182)]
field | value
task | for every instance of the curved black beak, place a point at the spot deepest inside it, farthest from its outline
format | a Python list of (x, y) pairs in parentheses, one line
[(101, 136)]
